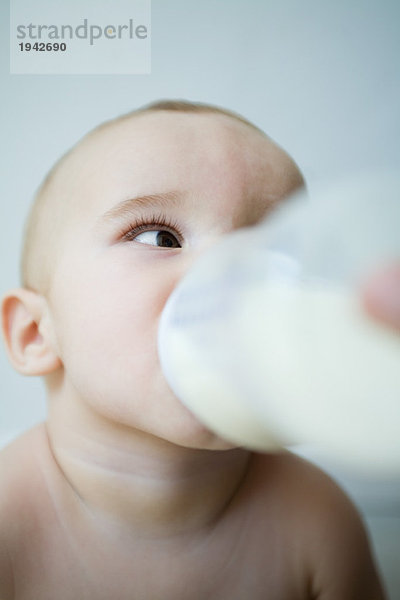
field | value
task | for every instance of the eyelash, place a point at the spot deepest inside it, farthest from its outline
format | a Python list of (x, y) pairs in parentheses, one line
[(156, 221)]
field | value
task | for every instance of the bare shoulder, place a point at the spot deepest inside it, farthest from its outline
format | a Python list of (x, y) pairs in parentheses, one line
[(20, 495), (20, 465), (323, 528), (6, 570), (297, 483)]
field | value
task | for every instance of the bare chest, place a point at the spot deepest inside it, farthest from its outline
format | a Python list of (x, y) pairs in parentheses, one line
[(254, 564)]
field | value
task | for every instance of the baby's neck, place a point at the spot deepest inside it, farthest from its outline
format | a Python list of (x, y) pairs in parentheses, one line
[(141, 484)]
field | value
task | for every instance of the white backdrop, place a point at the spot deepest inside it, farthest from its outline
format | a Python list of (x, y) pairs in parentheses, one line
[(320, 77)]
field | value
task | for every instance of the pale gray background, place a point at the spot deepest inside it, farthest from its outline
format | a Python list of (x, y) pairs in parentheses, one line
[(321, 77)]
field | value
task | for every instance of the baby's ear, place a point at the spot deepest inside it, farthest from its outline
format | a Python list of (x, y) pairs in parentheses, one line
[(26, 331)]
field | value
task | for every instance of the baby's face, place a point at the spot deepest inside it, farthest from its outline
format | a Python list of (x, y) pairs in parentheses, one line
[(153, 192)]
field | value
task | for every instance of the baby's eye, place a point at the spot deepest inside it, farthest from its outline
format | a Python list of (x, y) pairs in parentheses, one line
[(160, 238)]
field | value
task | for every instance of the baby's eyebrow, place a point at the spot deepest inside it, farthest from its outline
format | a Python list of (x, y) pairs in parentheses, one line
[(131, 206)]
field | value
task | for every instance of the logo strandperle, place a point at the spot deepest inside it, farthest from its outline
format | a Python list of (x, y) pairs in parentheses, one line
[(84, 31)]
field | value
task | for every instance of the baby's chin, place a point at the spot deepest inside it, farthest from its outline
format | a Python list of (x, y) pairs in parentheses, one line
[(188, 431), (175, 423), (195, 434), (177, 426)]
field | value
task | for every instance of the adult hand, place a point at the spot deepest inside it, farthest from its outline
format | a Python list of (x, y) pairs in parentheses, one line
[(381, 295)]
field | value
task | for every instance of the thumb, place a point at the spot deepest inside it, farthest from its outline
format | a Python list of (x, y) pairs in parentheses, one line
[(381, 295)]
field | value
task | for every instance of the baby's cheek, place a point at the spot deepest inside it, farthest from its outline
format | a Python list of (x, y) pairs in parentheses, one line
[(107, 320), (110, 348)]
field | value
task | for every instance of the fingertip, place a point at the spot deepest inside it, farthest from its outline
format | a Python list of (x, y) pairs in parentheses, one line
[(381, 295)]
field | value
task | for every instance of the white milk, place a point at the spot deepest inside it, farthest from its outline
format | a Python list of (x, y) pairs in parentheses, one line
[(265, 339), (296, 364)]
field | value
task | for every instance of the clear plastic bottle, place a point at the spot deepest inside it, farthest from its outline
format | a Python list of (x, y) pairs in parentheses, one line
[(265, 338)]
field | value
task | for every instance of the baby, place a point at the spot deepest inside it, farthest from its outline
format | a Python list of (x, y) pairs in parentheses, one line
[(123, 493)]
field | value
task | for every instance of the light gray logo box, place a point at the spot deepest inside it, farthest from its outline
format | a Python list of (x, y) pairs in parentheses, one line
[(75, 37)]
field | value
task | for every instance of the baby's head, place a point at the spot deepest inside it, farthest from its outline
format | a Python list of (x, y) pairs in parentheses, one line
[(114, 227)]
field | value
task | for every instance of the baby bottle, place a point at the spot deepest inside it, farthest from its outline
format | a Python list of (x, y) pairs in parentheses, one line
[(266, 341)]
